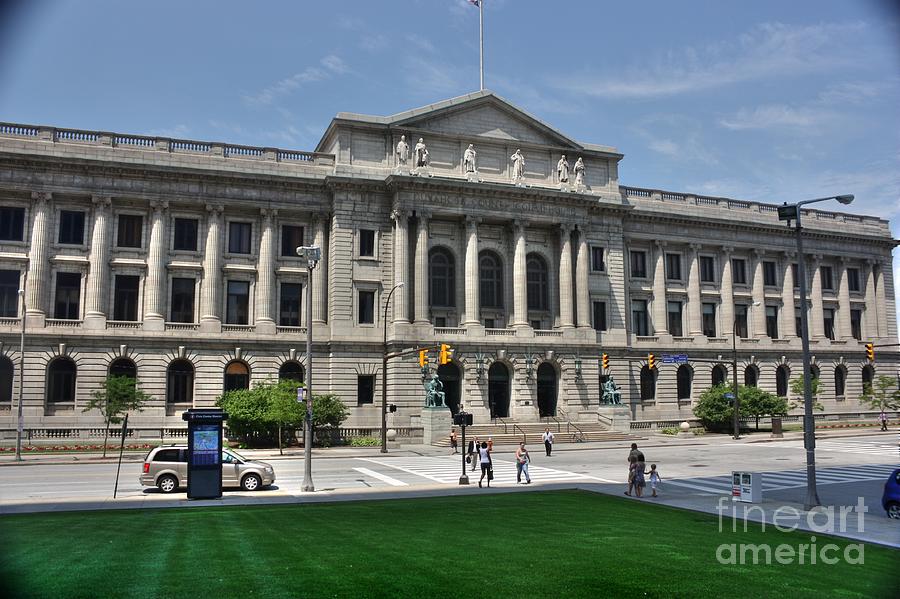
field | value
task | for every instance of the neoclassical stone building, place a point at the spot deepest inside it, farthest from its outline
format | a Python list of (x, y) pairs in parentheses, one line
[(174, 261)]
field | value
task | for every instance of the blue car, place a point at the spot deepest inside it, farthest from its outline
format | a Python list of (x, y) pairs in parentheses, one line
[(891, 498)]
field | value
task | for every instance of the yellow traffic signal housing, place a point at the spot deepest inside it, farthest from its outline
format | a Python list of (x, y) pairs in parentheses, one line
[(605, 361), (870, 352), (446, 354), (423, 358), (651, 361)]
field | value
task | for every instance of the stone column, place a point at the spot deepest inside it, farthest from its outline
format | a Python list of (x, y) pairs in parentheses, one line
[(871, 315), (844, 330), (320, 273), (788, 326), (566, 313), (265, 274), (155, 284), (660, 311), (421, 275), (726, 292), (582, 282), (695, 325), (473, 301), (401, 265), (211, 291), (881, 298), (520, 276), (759, 296), (98, 276), (817, 317), (37, 294)]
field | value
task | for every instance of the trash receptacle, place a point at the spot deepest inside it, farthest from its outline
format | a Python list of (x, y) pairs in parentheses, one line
[(776, 427), (746, 487)]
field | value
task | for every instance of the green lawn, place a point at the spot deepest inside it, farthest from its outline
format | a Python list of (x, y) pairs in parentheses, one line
[(540, 544)]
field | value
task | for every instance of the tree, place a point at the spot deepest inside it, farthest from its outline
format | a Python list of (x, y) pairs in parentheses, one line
[(716, 411), (879, 396), (247, 413), (116, 395), (756, 402), (797, 390), (283, 409)]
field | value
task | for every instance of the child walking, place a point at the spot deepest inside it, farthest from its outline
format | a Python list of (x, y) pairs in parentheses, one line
[(654, 479)]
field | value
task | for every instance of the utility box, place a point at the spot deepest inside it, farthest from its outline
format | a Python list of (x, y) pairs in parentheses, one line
[(204, 468), (746, 487)]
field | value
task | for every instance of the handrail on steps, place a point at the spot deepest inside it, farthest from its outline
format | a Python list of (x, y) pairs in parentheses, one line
[(503, 422), (521, 430)]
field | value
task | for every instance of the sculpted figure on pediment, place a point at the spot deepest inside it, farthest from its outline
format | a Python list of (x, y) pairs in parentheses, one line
[(518, 169), (421, 154), (469, 160), (562, 169), (402, 151), (579, 171)]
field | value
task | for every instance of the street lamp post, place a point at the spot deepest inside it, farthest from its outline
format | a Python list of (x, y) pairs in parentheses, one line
[(312, 255), (791, 212), (384, 361), (20, 419)]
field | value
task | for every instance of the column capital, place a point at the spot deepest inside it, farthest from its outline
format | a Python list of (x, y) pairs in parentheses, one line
[(215, 210), (159, 205), (518, 225), (268, 213), (566, 228), (789, 254), (398, 215), (472, 222), (101, 202), (660, 243), (727, 250), (41, 196), (696, 247), (815, 258), (423, 214), (759, 252)]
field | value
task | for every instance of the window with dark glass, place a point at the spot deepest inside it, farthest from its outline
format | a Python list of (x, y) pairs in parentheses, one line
[(707, 269), (648, 383), (61, 376), (71, 227), (739, 271), (366, 307), (740, 320), (770, 274), (291, 371), (751, 376), (490, 323), (442, 278), (798, 321), (537, 325), (6, 381), (125, 305), (827, 277), (599, 316), (772, 321), (365, 389), (9, 293), (68, 296), (185, 234), (239, 236), (130, 231), (673, 267), (597, 263), (123, 367), (366, 243), (237, 376), (781, 381), (289, 312), (291, 239), (638, 265), (684, 376), (853, 279), (639, 322), (828, 314), (183, 291), (840, 379), (709, 320), (180, 382), (237, 303), (794, 273), (856, 324), (491, 278), (12, 223), (675, 319), (440, 321), (868, 375), (718, 375), (538, 284)]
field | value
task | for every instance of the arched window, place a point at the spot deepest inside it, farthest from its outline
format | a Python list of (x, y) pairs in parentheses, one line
[(237, 376), (840, 380), (441, 278), (123, 367), (718, 375), (868, 375), (751, 376), (490, 274), (814, 371), (61, 376), (291, 371), (6, 380), (684, 376), (648, 383), (538, 283), (782, 375), (180, 382)]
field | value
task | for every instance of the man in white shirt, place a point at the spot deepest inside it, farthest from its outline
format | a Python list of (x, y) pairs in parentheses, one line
[(547, 438)]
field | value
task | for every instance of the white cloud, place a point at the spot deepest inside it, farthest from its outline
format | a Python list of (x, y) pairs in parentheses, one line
[(328, 67), (775, 116), (373, 43)]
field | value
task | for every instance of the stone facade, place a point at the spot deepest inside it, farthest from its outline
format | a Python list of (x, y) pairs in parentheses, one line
[(175, 259)]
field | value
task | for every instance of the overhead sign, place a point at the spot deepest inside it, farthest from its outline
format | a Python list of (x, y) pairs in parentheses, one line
[(675, 359), (787, 212)]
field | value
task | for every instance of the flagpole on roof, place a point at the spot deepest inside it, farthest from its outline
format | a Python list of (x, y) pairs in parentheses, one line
[(481, 39)]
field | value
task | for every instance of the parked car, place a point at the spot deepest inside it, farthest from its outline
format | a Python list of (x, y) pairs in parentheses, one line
[(165, 467), (890, 501)]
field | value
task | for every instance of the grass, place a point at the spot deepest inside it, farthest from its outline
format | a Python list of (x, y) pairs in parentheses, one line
[(540, 544)]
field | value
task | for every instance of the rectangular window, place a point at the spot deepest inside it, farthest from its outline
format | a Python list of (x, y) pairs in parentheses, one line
[(599, 316), (68, 296), (238, 301), (853, 279), (291, 239), (798, 321), (239, 235), (490, 323), (440, 321), (707, 269), (673, 267), (366, 243), (12, 223), (71, 227), (185, 238), (794, 270), (770, 276), (827, 277), (772, 321), (365, 389), (366, 307), (130, 231), (638, 265), (597, 264), (537, 325), (183, 300), (639, 322), (9, 293), (740, 320), (709, 320), (739, 271), (828, 314), (675, 319), (289, 312), (126, 297), (856, 324)]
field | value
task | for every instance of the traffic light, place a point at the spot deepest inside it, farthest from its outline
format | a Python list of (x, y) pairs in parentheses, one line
[(423, 358), (446, 354), (870, 352), (651, 361), (392, 408), (605, 361)]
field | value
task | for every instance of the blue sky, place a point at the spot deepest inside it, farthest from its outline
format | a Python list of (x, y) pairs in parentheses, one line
[(759, 100)]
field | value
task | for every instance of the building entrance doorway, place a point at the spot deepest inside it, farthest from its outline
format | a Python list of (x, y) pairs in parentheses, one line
[(546, 390), (498, 390), (449, 375)]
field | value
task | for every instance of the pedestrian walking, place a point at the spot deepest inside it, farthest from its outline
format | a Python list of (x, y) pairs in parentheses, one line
[(632, 464), (490, 443), (547, 438), (454, 442), (636, 453), (654, 479), (522, 459), (473, 453), (487, 466), (884, 420)]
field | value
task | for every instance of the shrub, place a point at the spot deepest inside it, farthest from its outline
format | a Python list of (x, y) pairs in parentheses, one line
[(364, 442), (670, 430)]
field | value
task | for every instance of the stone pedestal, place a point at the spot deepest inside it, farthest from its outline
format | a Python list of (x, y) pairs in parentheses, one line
[(619, 414), (473, 177), (436, 424)]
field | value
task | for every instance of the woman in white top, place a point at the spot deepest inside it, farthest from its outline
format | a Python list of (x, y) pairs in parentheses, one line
[(484, 455)]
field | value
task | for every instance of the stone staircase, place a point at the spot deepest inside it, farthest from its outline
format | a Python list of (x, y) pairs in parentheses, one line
[(511, 433)]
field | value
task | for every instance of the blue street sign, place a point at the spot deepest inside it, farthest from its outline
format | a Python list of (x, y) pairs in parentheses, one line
[(675, 358), (729, 395)]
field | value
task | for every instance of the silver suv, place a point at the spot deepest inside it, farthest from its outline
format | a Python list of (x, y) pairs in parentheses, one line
[(166, 467)]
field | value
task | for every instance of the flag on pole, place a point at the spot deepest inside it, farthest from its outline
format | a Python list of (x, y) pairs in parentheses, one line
[(475, 2)]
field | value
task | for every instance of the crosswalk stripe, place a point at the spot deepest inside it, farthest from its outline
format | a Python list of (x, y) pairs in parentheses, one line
[(443, 470), (382, 477)]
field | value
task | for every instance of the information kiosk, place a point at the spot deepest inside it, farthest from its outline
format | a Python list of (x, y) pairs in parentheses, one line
[(204, 468)]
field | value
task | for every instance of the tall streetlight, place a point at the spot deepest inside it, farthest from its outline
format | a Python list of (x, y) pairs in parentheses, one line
[(312, 255), (791, 212), (737, 400), (20, 419), (384, 361)]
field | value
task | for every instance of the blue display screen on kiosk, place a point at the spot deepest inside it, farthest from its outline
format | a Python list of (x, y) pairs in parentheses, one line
[(206, 449)]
